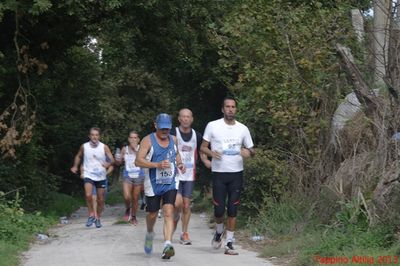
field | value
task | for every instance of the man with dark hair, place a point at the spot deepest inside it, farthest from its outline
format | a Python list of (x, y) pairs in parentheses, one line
[(230, 142), (159, 155), (95, 164)]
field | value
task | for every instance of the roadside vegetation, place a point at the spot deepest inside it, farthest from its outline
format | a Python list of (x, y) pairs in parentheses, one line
[(18, 227), (325, 180)]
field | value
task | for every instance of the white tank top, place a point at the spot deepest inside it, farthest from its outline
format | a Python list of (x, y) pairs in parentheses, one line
[(188, 151), (131, 170), (93, 158)]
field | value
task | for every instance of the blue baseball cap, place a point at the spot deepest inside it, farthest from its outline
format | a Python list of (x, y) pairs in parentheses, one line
[(164, 121)]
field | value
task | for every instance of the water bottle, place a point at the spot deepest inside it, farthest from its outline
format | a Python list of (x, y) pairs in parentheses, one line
[(118, 154), (64, 220), (257, 238)]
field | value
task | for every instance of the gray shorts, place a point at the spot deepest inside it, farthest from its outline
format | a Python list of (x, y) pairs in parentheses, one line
[(134, 181), (186, 188)]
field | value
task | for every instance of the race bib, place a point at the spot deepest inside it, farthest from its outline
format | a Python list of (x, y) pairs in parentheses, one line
[(133, 170), (165, 176), (187, 159), (230, 149)]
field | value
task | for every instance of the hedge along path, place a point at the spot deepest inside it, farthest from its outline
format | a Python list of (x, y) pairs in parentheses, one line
[(118, 243)]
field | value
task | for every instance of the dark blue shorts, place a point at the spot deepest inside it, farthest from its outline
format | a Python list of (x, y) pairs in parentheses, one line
[(97, 184), (186, 188), (94, 190)]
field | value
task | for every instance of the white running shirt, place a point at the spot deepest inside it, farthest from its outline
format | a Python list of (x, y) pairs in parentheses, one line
[(228, 140), (131, 169), (187, 151), (93, 158)]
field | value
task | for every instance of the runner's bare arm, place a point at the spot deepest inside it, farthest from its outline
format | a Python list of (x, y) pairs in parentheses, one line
[(77, 160), (247, 152), (145, 146), (110, 169), (204, 148), (81, 171), (109, 155), (179, 163), (205, 160)]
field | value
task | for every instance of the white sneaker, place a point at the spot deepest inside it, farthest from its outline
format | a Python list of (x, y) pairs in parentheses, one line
[(216, 241), (229, 250)]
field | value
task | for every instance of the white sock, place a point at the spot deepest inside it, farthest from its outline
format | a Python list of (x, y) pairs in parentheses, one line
[(229, 236), (220, 228), (167, 242)]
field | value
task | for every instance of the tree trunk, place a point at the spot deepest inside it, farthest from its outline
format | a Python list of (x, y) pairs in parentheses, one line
[(381, 38)]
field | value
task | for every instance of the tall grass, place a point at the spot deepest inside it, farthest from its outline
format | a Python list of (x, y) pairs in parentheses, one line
[(298, 233)]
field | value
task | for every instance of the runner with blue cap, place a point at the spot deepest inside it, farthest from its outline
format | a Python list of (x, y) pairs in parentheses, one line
[(159, 156)]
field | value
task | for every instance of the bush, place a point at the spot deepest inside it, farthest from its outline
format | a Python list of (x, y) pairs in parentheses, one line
[(16, 226), (266, 178), (61, 205), (26, 175), (289, 216)]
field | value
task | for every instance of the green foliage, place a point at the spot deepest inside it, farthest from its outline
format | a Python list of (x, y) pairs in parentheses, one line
[(16, 226), (266, 177), (68, 108), (23, 174), (289, 216), (294, 224), (352, 216), (202, 202), (280, 60), (40, 6), (60, 205), (115, 195)]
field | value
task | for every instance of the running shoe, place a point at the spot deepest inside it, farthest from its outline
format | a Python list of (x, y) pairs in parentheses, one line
[(90, 221), (133, 220), (168, 252), (97, 223), (185, 240), (216, 242), (148, 243), (127, 215), (159, 213), (229, 250)]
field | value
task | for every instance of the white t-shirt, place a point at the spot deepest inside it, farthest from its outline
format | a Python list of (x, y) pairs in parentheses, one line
[(228, 140)]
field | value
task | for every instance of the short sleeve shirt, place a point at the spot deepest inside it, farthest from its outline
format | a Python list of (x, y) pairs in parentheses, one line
[(228, 140)]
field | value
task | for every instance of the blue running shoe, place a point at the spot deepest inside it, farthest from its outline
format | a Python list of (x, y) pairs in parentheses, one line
[(148, 243), (168, 252), (90, 221), (97, 223)]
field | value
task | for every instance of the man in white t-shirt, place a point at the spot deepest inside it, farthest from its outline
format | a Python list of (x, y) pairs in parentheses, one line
[(230, 142)]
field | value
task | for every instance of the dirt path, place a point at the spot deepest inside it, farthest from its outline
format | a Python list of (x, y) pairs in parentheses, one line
[(122, 244)]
